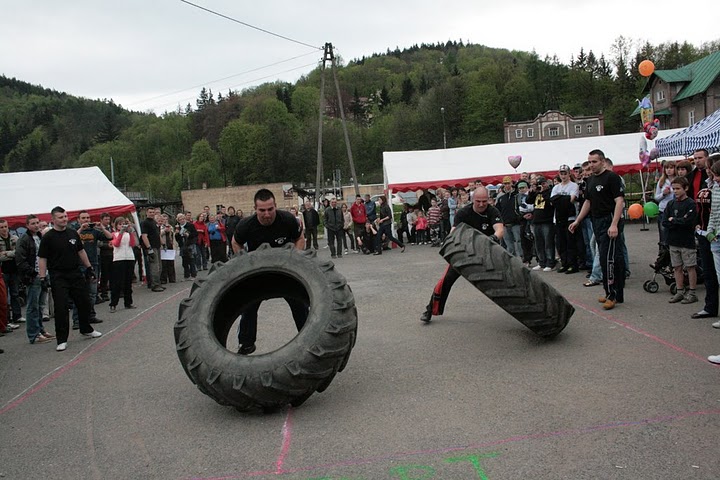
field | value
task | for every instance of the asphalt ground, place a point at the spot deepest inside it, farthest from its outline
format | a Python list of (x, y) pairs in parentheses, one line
[(624, 394)]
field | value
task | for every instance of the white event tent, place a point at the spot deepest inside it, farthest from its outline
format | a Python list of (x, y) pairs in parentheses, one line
[(74, 189), (456, 167)]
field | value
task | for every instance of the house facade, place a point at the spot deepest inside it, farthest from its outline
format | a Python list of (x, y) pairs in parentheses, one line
[(686, 95), (554, 125)]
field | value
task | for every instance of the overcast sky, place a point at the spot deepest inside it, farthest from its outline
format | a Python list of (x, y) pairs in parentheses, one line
[(140, 52)]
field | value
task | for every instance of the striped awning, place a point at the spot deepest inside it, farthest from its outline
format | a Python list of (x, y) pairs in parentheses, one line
[(704, 134)]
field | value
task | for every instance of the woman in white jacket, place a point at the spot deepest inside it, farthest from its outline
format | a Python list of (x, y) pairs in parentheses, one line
[(124, 239)]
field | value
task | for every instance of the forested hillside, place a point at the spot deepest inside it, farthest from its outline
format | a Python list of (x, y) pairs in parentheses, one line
[(393, 101)]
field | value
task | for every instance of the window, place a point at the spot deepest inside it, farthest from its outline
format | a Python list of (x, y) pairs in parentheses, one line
[(530, 133), (578, 129), (518, 133), (589, 128), (660, 95), (691, 117), (554, 132)]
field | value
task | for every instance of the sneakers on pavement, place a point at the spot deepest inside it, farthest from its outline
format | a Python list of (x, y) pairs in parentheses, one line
[(537, 267), (113, 308), (426, 316), (547, 269), (13, 326), (93, 334), (716, 324), (42, 339), (714, 359), (48, 335), (246, 349), (61, 347), (678, 297), (20, 320), (689, 298)]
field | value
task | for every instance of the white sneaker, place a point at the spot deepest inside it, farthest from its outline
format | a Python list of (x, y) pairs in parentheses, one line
[(714, 359), (537, 267), (61, 347), (547, 269), (93, 334), (13, 326), (21, 320), (346, 252), (716, 324)]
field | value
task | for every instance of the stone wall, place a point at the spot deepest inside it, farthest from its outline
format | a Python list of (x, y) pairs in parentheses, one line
[(239, 197)]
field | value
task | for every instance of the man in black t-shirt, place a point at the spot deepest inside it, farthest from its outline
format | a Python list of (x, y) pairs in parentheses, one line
[(605, 201), (482, 217), (150, 241), (276, 228), (61, 252)]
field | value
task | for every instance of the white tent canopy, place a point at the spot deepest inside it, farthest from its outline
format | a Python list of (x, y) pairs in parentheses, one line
[(74, 189), (414, 170)]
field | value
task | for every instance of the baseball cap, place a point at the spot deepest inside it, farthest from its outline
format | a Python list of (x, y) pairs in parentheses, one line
[(563, 168), (540, 179), (578, 166), (507, 179), (522, 183)]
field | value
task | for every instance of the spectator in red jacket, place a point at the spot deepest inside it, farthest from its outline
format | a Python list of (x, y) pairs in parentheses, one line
[(203, 242), (359, 216)]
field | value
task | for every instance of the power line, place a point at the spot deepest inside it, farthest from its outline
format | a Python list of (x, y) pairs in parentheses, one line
[(251, 26), (220, 79), (178, 102)]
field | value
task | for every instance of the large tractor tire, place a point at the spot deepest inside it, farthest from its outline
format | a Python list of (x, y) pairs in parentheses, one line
[(293, 372), (506, 281)]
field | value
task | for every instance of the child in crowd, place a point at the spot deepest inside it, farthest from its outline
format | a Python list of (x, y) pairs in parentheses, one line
[(421, 226), (680, 220)]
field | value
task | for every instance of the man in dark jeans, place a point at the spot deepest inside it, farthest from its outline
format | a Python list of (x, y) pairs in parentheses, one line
[(384, 221), (150, 241), (311, 219), (334, 222), (275, 227), (106, 260), (186, 237)]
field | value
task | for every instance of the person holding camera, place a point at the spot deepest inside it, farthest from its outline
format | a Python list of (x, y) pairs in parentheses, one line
[(61, 252), (167, 265), (542, 221), (186, 237), (90, 234), (150, 242), (123, 241)]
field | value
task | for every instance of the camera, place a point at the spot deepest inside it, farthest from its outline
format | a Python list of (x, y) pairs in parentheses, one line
[(91, 225)]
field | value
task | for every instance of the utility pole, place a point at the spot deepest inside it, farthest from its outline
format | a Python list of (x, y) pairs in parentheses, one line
[(328, 56), (112, 170)]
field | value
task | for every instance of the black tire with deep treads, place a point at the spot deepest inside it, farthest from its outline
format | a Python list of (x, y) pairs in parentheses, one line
[(293, 372), (506, 281)]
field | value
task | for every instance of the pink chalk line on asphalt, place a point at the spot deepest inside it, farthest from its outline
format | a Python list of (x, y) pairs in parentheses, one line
[(287, 437), (477, 446), (94, 347), (655, 338)]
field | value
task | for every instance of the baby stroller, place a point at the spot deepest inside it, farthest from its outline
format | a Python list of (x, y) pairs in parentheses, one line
[(663, 269)]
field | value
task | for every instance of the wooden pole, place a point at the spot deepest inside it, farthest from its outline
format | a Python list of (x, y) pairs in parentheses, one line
[(344, 124)]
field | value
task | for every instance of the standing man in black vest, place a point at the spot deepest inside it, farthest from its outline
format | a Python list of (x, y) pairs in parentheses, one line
[(605, 201), (61, 252)]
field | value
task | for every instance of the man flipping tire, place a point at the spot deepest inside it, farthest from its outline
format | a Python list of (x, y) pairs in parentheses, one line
[(275, 227), (482, 217)]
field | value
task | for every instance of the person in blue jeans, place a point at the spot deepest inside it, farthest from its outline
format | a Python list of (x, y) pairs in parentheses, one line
[(27, 263)]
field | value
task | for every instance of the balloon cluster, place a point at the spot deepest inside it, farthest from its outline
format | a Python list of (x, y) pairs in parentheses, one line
[(636, 210), (651, 129)]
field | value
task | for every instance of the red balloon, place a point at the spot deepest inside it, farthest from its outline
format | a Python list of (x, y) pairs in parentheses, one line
[(635, 211)]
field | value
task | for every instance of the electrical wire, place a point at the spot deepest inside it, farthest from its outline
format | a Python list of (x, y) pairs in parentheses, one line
[(220, 79), (251, 26), (179, 102)]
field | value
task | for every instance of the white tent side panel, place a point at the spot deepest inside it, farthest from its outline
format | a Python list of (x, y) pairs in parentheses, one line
[(74, 189), (413, 170)]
